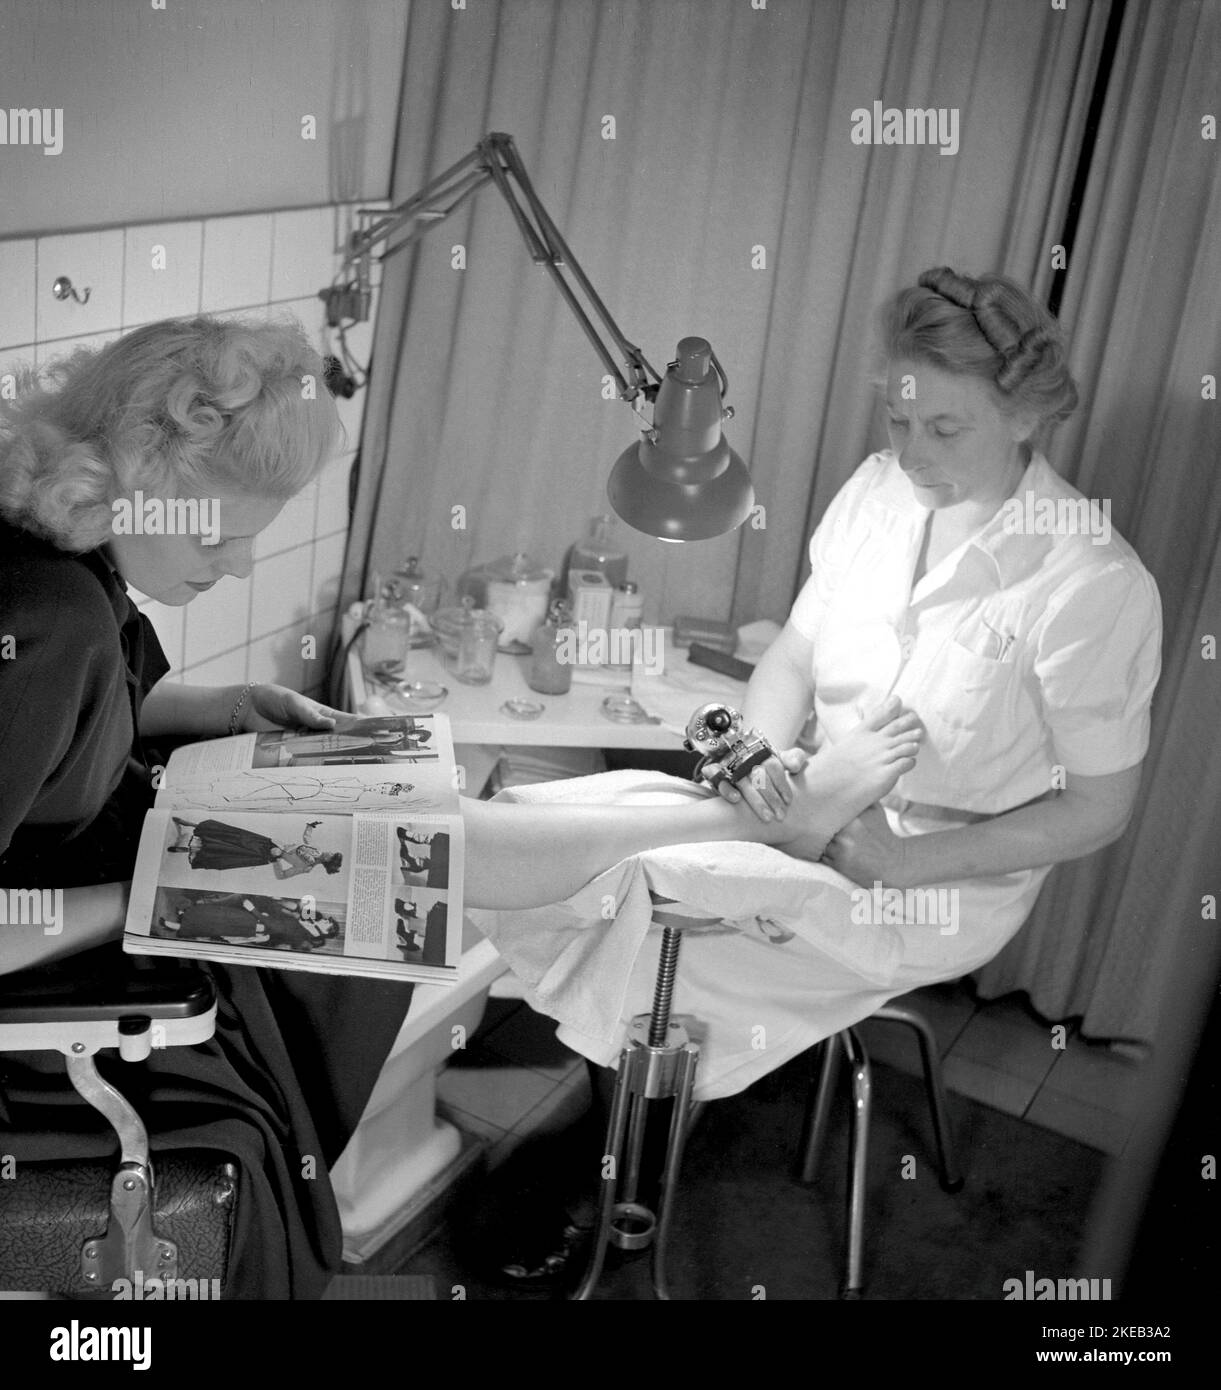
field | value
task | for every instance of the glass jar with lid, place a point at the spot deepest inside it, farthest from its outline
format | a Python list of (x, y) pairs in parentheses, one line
[(518, 591), (600, 549), (469, 636), (410, 584)]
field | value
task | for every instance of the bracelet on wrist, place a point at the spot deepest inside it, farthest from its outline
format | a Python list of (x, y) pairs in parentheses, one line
[(235, 716)]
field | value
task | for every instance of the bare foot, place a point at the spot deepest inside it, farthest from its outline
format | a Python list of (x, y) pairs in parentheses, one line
[(845, 777)]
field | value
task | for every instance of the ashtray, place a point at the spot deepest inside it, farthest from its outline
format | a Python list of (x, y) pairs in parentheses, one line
[(522, 709), (420, 696), (624, 709)]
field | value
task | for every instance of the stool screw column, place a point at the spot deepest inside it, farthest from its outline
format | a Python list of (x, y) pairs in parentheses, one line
[(657, 1062)]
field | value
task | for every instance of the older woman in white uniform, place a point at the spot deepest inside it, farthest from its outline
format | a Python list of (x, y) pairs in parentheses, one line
[(956, 571)]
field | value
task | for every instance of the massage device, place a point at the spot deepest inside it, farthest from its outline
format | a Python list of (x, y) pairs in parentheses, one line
[(716, 731)]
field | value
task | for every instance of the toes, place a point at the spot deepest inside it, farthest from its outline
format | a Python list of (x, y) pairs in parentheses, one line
[(907, 723), (884, 713), (907, 749)]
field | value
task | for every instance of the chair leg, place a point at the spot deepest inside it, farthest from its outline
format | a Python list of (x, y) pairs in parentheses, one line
[(819, 1113), (862, 1104), (951, 1178)]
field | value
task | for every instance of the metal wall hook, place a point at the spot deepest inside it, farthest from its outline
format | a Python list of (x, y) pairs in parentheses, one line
[(63, 289)]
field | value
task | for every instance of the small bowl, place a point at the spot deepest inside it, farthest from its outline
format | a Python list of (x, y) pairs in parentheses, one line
[(421, 696), (523, 709)]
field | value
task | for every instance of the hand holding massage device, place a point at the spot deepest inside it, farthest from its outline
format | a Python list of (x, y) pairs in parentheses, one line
[(716, 731)]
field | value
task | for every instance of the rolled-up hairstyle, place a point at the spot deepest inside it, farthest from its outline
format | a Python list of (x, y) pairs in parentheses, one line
[(988, 327)]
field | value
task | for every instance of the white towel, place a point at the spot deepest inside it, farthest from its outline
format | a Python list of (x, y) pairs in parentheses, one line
[(777, 965)]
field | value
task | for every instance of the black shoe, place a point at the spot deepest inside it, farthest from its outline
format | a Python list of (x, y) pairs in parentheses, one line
[(560, 1268)]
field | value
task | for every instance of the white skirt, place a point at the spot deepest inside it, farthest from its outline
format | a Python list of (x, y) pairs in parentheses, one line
[(777, 953)]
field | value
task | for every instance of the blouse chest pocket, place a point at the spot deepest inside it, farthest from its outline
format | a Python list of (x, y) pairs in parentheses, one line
[(974, 678)]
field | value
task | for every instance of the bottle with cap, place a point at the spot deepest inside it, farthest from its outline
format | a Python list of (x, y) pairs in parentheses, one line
[(548, 674)]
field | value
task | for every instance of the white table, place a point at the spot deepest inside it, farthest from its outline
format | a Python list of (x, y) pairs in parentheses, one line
[(573, 720)]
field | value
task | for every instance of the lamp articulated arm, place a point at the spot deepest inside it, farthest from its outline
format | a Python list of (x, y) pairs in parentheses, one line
[(494, 160), (681, 481)]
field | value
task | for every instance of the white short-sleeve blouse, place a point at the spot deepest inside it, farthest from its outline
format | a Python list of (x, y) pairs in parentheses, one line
[(1031, 652)]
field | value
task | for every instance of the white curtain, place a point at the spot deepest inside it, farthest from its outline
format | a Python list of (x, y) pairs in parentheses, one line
[(486, 431), (1143, 305), (732, 132)]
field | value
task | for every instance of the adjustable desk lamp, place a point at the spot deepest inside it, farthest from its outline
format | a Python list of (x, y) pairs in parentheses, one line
[(680, 482)]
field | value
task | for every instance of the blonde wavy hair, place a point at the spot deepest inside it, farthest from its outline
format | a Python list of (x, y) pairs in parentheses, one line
[(181, 405)]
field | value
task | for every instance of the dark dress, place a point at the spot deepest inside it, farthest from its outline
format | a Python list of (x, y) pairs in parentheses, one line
[(294, 1057), (226, 916), (230, 847), (219, 917)]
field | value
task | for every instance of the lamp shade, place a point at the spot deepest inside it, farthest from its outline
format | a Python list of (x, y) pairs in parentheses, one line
[(682, 481)]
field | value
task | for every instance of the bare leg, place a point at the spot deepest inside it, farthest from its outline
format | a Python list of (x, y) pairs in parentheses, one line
[(531, 855)]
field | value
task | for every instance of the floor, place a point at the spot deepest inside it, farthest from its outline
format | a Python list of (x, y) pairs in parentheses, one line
[(515, 1080)]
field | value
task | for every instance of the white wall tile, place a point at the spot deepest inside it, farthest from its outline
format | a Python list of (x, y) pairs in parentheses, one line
[(314, 664), (236, 262), (281, 587), (328, 569), (332, 512), (226, 669), (93, 261), (292, 527), (171, 288), (48, 352), (276, 658), (17, 262), (217, 620), (360, 347), (14, 358), (309, 313), (303, 259)]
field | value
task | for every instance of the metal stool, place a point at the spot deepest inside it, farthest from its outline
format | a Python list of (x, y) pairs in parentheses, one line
[(657, 1062), (848, 1043)]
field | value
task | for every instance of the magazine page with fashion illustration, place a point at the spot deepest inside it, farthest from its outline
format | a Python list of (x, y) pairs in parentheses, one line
[(344, 868)]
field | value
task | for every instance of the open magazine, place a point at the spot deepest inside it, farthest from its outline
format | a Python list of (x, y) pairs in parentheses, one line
[(339, 852)]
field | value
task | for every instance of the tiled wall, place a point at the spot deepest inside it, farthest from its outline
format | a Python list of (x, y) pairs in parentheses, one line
[(262, 264)]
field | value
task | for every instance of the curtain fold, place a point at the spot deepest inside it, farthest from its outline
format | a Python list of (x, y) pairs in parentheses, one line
[(1142, 305), (733, 203)]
